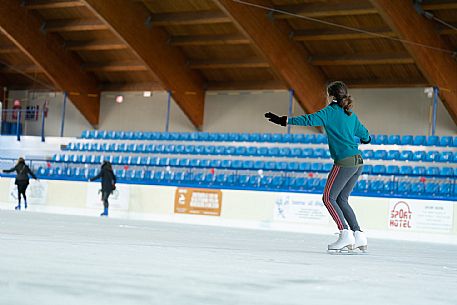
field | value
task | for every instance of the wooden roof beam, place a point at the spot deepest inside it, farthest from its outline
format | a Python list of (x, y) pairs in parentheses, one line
[(52, 4), (285, 56), (95, 45), (321, 10), (21, 69), (73, 25), (129, 21), (438, 5), (228, 63), (202, 40), (189, 18), (126, 66), (438, 67), (246, 85), (146, 86), (362, 59), (47, 52)]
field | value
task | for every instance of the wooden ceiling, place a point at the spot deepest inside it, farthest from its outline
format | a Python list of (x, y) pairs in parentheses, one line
[(190, 46)]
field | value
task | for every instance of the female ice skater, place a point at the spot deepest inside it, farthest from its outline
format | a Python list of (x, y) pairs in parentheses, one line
[(341, 125), (108, 184), (22, 180)]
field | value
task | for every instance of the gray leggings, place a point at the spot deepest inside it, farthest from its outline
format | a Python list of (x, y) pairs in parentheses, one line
[(340, 183)]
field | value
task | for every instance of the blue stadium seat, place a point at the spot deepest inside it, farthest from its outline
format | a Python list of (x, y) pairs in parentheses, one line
[(404, 187), (284, 152), (221, 179), (215, 163), (178, 176), (169, 148), (262, 151), (159, 148), (431, 188), (367, 154), (248, 164), (380, 139), (287, 138), (445, 141), (445, 189), (309, 138), (406, 170), (276, 137), (270, 165), (223, 137), (138, 135), (319, 153), (259, 164), (406, 155), (251, 151), (244, 137), (219, 150), (184, 136), (213, 137), (199, 149), (327, 167), (295, 152), (209, 178), (205, 163), (393, 140), (432, 141), (406, 140), (85, 134), (418, 156), (237, 164), (417, 188), (184, 162), (313, 184), (273, 151), (393, 170), (231, 179), (304, 166), (308, 153), (316, 167), (298, 138), (243, 180), (393, 155), (189, 149), (432, 171), (432, 156), (293, 166), (321, 139), (419, 170), (377, 186), (281, 166), (226, 163), (233, 137), (135, 160), (446, 171), (380, 155), (241, 151), (194, 162), (277, 182), (367, 169), (164, 161), (362, 186), (419, 140), (265, 137), (445, 156), (230, 150), (379, 169)]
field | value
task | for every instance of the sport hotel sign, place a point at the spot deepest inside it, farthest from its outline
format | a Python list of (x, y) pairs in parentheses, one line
[(198, 201), (420, 215)]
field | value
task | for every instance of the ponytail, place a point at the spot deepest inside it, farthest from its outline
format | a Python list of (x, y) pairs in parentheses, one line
[(339, 91), (346, 104)]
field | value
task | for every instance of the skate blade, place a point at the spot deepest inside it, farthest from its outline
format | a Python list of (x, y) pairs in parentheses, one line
[(349, 249)]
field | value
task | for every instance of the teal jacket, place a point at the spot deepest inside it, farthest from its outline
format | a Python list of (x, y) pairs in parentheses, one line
[(340, 128)]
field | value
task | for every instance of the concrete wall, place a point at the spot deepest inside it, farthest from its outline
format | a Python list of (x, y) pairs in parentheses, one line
[(388, 111)]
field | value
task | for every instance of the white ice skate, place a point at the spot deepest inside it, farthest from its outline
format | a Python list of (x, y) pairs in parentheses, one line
[(361, 241), (344, 243)]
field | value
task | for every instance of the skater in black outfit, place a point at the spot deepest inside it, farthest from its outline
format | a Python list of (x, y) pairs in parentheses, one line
[(108, 184), (22, 180)]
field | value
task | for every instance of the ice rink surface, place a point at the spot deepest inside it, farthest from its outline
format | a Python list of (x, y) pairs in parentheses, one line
[(56, 259)]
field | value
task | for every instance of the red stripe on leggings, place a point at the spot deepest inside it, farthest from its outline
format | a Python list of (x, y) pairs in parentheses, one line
[(328, 204)]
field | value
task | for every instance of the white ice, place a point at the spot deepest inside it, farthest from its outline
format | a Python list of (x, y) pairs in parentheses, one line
[(56, 259)]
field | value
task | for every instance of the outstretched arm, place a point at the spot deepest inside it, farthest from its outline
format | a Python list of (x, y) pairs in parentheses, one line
[(96, 177), (315, 119), (9, 170), (31, 173)]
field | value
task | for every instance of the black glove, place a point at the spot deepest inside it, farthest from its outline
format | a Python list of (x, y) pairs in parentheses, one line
[(365, 142), (280, 120)]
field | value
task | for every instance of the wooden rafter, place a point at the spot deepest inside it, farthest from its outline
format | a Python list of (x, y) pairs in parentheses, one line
[(189, 18), (48, 53), (286, 57), (51, 4), (201, 40), (128, 20), (121, 66), (363, 59), (148, 86), (229, 63), (438, 67), (95, 45), (246, 85), (72, 25)]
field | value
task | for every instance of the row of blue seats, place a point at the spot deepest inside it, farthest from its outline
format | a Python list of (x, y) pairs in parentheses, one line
[(272, 182), (262, 137), (257, 165), (404, 155)]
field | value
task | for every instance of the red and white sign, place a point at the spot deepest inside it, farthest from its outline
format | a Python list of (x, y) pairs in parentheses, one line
[(420, 215)]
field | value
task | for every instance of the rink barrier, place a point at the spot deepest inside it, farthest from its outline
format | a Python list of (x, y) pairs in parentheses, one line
[(397, 218)]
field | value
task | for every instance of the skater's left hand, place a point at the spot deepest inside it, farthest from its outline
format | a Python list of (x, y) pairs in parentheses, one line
[(280, 120)]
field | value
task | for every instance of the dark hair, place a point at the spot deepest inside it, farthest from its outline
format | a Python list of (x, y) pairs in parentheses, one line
[(20, 161), (107, 165), (339, 91)]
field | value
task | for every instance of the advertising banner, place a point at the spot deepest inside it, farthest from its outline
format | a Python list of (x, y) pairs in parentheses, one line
[(118, 200), (36, 193), (198, 201), (300, 208)]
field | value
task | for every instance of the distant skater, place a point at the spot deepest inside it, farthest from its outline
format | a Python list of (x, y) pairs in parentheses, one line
[(341, 125), (108, 178), (22, 180)]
